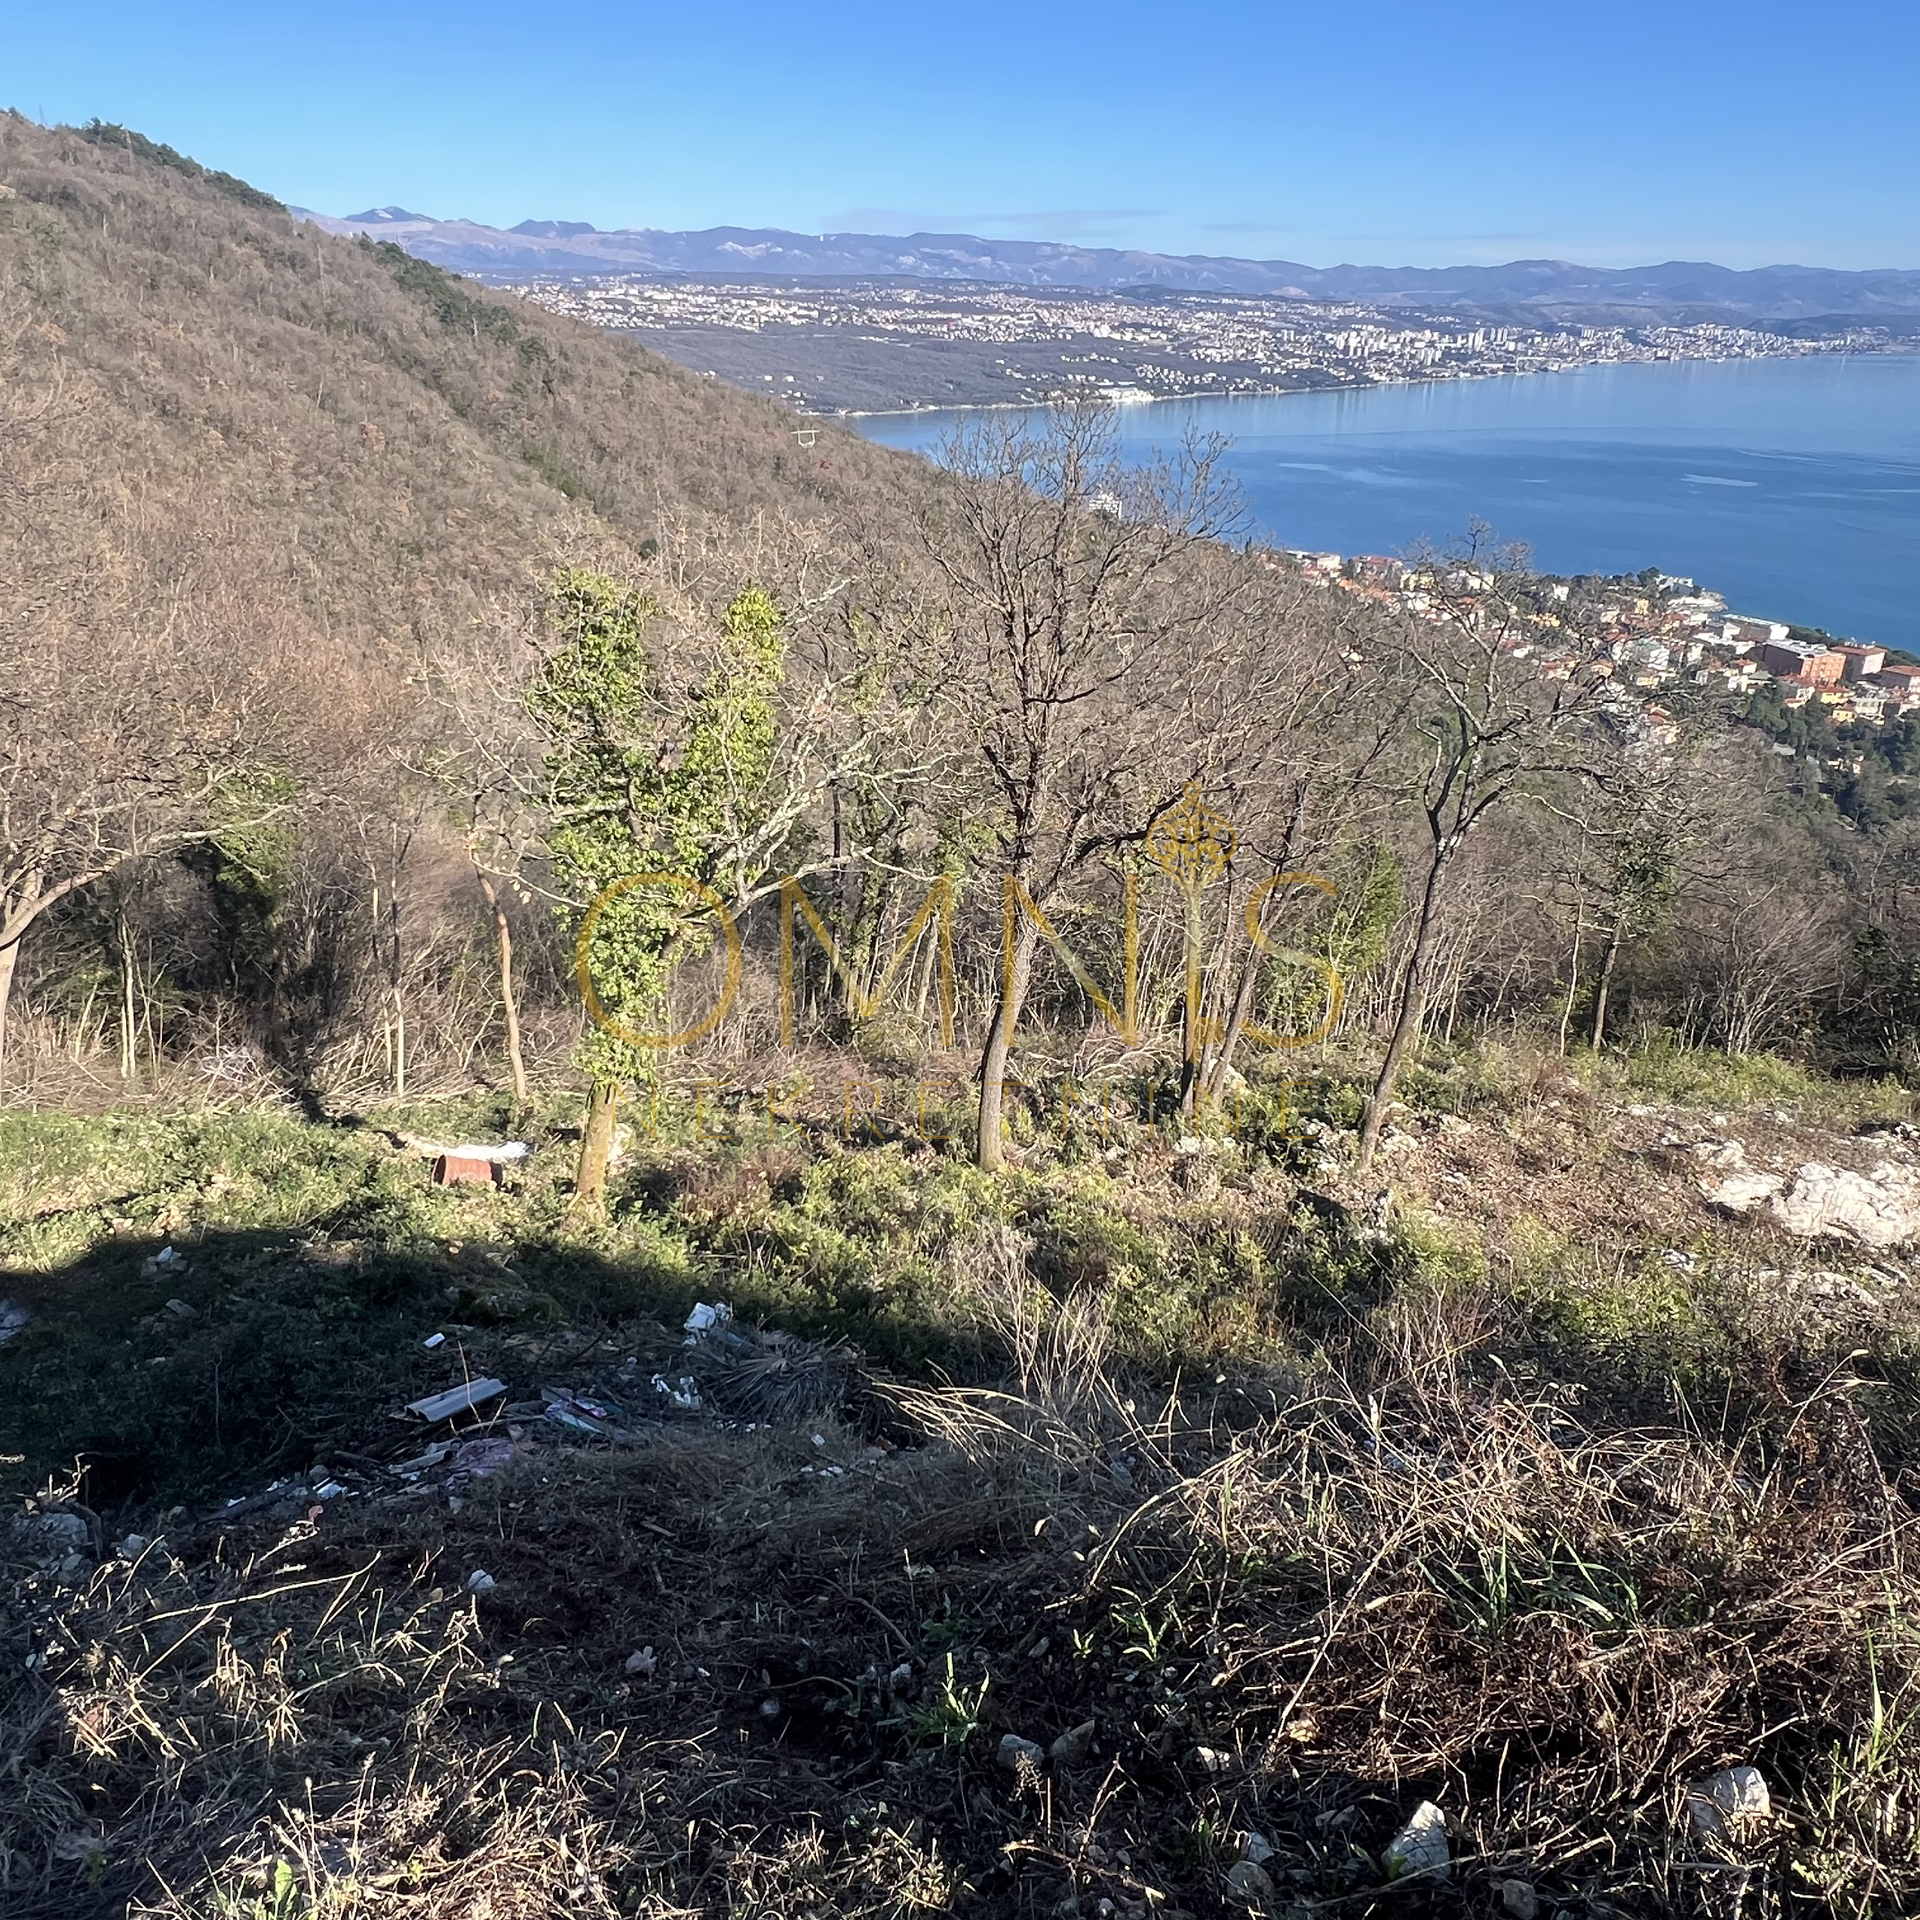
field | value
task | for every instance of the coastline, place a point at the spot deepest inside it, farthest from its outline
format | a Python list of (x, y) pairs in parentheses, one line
[(1891, 352)]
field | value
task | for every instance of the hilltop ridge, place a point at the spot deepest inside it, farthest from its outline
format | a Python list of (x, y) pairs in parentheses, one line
[(1698, 288)]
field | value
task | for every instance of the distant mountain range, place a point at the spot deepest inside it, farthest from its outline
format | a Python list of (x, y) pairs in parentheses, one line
[(570, 247)]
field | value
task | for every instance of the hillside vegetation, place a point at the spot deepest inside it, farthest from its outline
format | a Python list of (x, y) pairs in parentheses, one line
[(1312, 1206)]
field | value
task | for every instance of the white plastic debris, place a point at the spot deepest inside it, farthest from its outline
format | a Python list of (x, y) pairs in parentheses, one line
[(1213, 1759), (481, 1581), (433, 1340), (685, 1398), (464, 1150), (1420, 1846), (642, 1661), (328, 1490), (1734, 1794), (703, 1318)]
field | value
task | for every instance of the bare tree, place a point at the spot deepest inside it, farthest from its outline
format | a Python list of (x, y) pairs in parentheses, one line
[(1079, 604), (1499, 706), (1302, 722)]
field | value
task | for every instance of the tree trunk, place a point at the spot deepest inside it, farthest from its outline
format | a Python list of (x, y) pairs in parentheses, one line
[(1573, 973), (1192, 1012), (9, 960), (991, 1152), (1615, 941), (1413, 1010), (129, 1051), (1239, 1012), (509, 1003), (596, 1149)]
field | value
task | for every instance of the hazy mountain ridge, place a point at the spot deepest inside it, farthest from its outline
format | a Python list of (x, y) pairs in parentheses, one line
[(573, 247)]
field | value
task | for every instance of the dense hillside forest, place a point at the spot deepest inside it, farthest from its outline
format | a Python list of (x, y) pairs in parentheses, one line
[(742, 1177)]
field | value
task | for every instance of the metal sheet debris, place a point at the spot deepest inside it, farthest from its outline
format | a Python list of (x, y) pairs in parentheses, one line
[(461, 1399)]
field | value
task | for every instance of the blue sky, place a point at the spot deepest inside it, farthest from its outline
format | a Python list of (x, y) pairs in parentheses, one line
[(1617, 132)]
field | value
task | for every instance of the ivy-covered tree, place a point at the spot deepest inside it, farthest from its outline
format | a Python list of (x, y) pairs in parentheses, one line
[(646, 781)]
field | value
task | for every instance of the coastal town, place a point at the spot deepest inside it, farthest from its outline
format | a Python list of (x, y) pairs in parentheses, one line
[(1658, 631), (876, 346)]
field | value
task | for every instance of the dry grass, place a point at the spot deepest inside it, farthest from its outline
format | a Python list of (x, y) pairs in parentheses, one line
[(1295, 1607)]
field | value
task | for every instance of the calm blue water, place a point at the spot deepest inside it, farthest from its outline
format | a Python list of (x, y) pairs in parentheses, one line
[(1791, 486)]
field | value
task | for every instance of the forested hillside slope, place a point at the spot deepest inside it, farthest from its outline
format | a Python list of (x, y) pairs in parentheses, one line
[(364, 434), (252, 473)]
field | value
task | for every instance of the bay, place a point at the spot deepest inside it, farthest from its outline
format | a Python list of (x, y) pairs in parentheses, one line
[(1790, 485)]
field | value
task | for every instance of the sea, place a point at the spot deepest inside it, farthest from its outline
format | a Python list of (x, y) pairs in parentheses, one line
[(1792, 486)]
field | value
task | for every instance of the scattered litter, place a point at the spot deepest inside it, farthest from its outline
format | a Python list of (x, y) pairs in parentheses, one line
[(597, 1419), (328, 1490), (464, 1170), (414, 1468), (462, 1399), (479, 1460), (703, 1318), (819, 1439), (1248, 1884), (433, 1340), (464, 1150), (1420, 1846), (1212, 1759), (1073, 1747), (13, 1319), (685, 1398), (1732, 1796), (481, 1581), (578, 1415), (1014, 1751), (644, 1661)]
